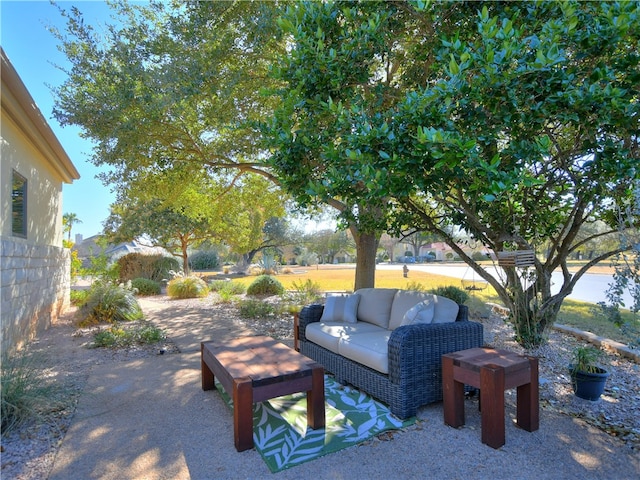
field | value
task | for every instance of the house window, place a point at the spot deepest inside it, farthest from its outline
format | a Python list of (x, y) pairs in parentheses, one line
[(19, 205)]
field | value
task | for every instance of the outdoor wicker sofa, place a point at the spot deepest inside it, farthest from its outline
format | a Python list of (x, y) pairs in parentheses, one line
[(413, 353)]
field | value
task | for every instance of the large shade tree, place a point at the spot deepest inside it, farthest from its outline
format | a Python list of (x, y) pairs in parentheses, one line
[(154, 225), (515, 122), (529, 139), (349, 65), (169, 93), (180, 85), (169, 86), (235, 211)]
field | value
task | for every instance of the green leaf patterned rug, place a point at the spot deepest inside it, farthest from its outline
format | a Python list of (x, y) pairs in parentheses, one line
[(281, 435)]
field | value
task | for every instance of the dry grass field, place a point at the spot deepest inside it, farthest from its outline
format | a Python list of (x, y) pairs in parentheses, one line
[(340, 278)]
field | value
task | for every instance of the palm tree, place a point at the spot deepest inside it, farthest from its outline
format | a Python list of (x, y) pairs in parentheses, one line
[(68, 220)]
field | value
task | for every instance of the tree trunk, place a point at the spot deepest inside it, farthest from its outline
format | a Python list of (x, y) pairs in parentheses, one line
[(533, 308), (366, 250), (185, 258), (247, 259)]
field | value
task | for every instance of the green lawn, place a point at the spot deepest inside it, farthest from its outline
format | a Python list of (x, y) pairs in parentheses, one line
[(336, 278)]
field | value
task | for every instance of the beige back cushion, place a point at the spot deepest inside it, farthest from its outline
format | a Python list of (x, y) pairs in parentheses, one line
[(375, 305), (445, 310)]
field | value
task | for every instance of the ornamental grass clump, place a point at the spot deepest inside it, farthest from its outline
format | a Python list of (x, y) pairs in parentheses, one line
[(301, 294), (24, 393), (227, 290), (187, 287), (234, 288), (118, 336), (251, 308), (109, 303)]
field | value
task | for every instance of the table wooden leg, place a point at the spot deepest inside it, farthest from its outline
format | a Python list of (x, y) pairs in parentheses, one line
[(296, 329), (315, 399), (243, 414), (207, 375), (452, 395), (528, 401), (492, 395)]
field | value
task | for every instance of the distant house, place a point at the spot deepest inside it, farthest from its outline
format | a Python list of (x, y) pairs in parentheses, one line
[(88, 248), (35, 268)]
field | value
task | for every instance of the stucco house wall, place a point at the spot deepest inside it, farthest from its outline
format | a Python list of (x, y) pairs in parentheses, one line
[(34, 268)]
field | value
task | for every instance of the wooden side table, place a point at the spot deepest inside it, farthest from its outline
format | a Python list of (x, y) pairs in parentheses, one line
[(492, 371)]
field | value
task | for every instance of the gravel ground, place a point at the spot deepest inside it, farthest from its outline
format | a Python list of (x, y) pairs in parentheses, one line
[(28, 453)]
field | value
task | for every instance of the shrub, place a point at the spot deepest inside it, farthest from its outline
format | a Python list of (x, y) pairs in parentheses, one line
[(119, 337), (78, 297), (111, 304), (252, 308), (162, 268), (454, 293), (217, 285), (226, 296), (187, 287), (204, 260), (265, 285), (75, 264), (152, 267), (234, 288), (304, 293), (226, 289), (99, 266), (256, 270), (144, 286), (24, 392)]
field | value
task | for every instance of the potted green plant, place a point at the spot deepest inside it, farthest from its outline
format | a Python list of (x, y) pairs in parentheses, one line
[(587, 377)]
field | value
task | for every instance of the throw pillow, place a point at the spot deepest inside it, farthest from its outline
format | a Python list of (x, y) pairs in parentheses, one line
[(419, 313), (341, 309)]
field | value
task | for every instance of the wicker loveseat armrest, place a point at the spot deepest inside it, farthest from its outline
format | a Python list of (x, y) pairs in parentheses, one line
[(309, 314), (416, 349), (463, 313)]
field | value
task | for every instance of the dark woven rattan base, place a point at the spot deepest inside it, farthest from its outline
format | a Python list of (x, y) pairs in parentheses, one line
[(415, 360)]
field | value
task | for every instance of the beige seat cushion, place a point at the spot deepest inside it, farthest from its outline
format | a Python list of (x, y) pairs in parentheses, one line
[(370, 349), (375, 305), (327, 334)]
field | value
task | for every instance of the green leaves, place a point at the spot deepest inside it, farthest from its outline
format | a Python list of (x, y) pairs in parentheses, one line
[(453, 66)]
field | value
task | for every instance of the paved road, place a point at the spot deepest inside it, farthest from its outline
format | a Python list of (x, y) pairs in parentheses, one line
[(590, 288)]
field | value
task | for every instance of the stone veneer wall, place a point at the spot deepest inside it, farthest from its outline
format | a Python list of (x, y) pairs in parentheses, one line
[(35, 282)]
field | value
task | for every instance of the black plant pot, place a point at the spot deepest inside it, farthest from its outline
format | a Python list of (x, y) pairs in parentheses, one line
[(589, 385)]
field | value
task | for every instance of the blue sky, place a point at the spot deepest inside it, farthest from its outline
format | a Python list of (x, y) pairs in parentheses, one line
[(33, 52)]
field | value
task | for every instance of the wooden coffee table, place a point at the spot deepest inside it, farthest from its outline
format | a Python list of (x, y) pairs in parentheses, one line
[(254, 369)]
